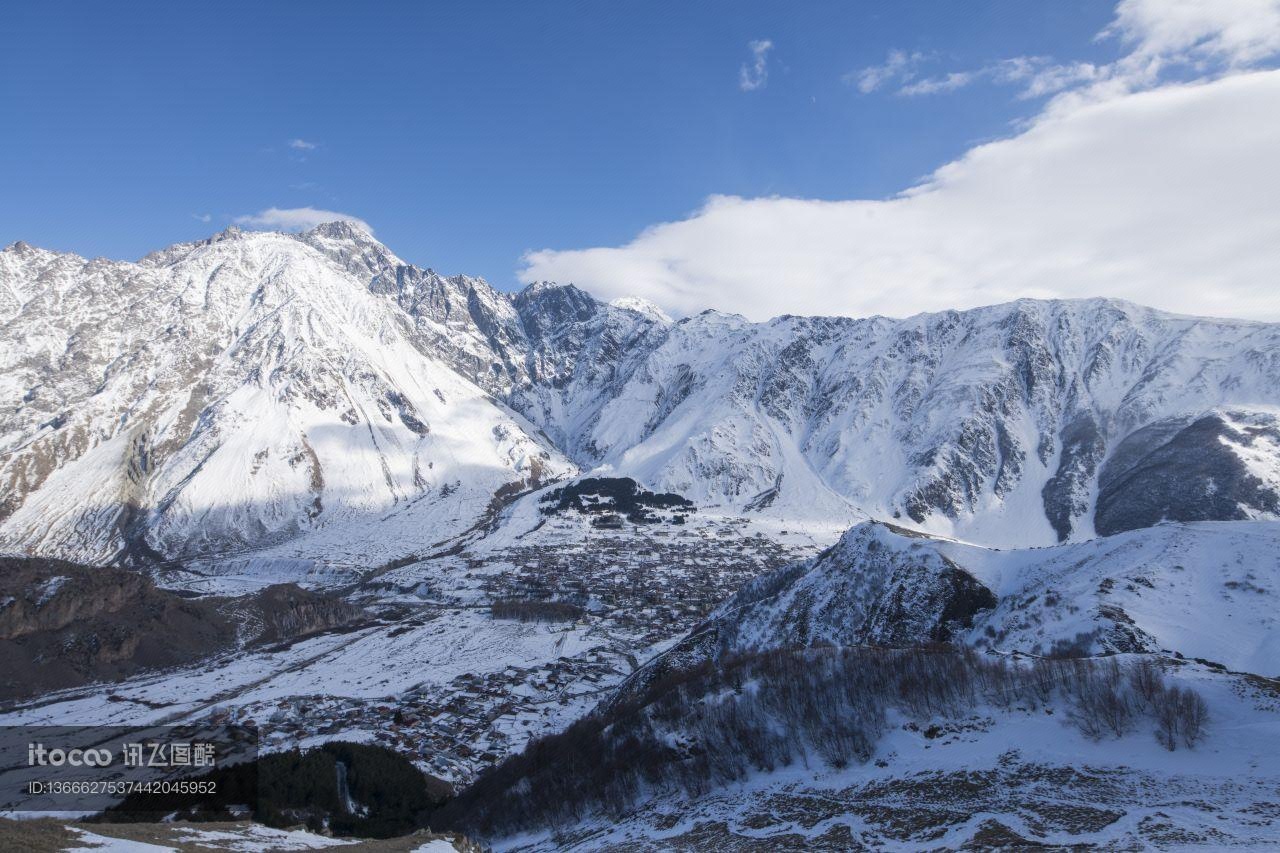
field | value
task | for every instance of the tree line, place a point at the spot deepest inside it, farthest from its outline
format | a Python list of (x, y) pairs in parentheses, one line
[(698, 729)]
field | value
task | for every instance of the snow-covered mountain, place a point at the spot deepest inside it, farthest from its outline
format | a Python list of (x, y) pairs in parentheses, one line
[(1062, 478), (238, 392), (311, 393), (1018, 424)]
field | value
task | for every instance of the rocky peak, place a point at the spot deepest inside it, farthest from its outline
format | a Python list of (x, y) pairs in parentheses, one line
[(356, 251), (546, 307), (340, 229), (20, 247)]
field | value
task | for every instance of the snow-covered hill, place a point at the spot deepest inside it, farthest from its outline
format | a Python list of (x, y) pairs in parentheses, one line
[(907, 691), (737, 761), (1168, 589), (295, 396)]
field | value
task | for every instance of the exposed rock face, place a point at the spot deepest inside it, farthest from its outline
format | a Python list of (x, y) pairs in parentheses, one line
[(1212, 468), (288, 611), (49, 595), (1066, 495), (64, 624), (930, 606)]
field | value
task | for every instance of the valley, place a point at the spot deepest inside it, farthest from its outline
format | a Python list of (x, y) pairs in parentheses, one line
[(433, 671), (964, 578)]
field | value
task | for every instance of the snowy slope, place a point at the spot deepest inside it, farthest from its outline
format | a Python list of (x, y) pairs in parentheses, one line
[(1207, 590), (750, 732), (992, 777), (234, 394)]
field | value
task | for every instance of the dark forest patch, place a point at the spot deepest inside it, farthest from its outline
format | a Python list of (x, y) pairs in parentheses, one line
[(613, 496)]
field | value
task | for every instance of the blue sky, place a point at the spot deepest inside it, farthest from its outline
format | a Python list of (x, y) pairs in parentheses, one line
[(467, 134)]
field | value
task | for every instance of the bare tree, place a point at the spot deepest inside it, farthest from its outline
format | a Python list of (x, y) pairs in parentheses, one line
[(1044, 679), (1146, 680), (693, 729), (1168, 720), (1193, 715), (1114, 707)]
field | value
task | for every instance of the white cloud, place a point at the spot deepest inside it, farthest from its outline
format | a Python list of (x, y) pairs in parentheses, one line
[(1238, 32), (1165, 197), (1052, 79), (946, 83), (1037, 75), (1163, 193), (1207, 36), (297, 219), (202, 217), (898, 66), (754, 74), (302, 145)]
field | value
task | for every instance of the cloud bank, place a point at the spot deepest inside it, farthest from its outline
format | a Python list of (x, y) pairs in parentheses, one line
[(297, 219), (1163, 193)]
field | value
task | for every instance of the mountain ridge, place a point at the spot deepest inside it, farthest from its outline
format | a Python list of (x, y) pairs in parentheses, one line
[(995, 424)]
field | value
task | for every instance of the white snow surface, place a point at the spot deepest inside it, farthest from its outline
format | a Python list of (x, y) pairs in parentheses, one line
[(436, 845), (106, 844), (255, 837)]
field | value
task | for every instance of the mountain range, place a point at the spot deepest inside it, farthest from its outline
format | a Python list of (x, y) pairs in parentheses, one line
[(288, 396)]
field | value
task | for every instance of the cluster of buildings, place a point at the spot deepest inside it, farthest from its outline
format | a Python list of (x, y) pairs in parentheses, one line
[(633, 588)]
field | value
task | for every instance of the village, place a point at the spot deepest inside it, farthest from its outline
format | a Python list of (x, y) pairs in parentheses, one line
[(620, 593)]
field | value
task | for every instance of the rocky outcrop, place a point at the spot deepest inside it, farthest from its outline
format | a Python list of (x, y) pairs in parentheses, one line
[(64, 624), (1197, 470), (879, 585), (926, 605), (49, 595), (1066, 495), (288, 611)]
